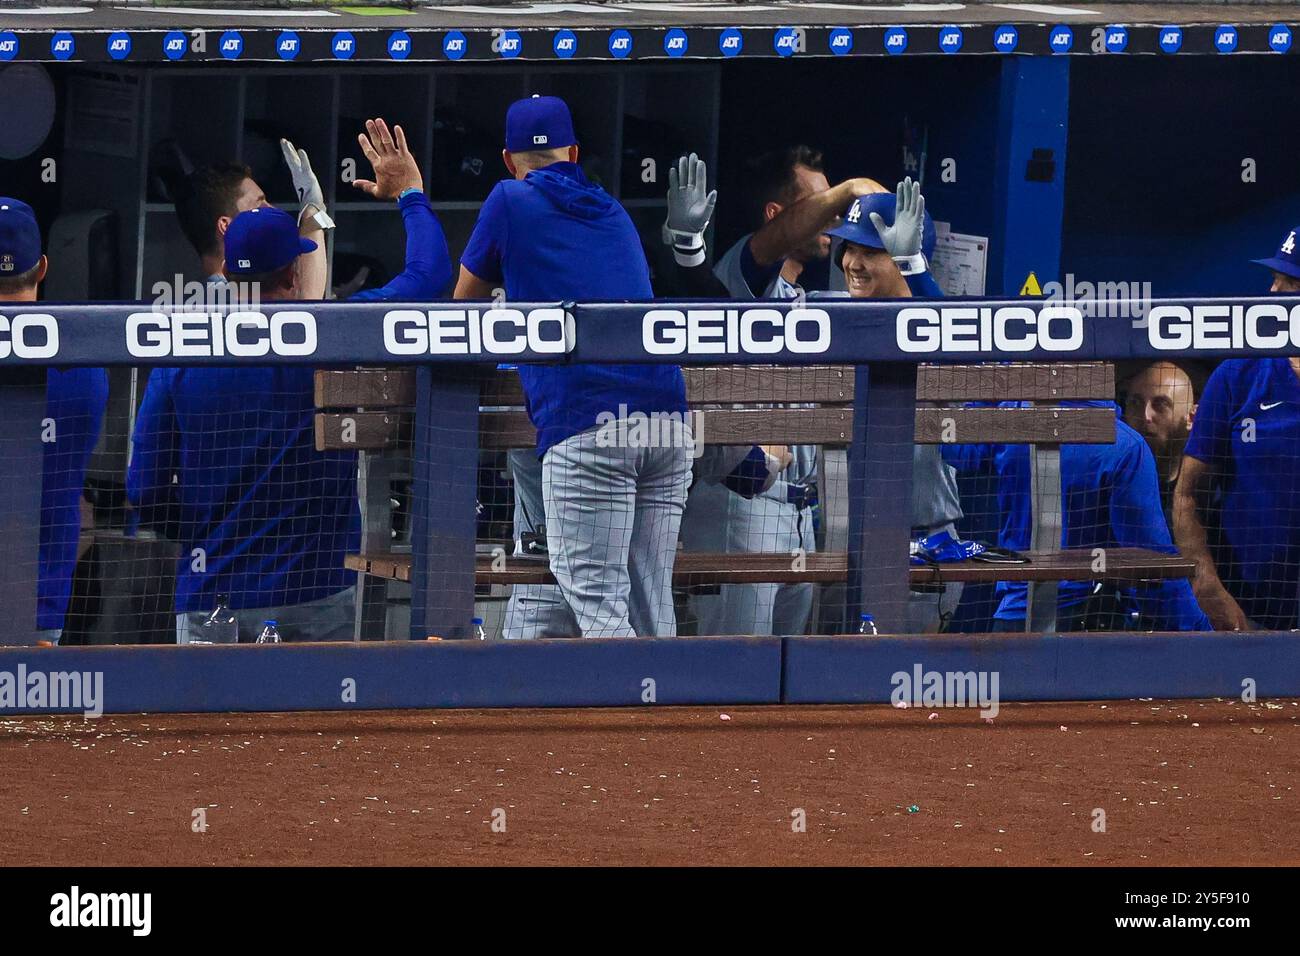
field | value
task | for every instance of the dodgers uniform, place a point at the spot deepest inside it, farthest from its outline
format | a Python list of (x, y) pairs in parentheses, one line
[(1110, 499), (75, 400), (232, 451), (612, 512), (1247, 430)]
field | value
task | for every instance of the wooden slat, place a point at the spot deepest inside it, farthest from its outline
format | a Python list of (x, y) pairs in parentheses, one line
[(1123, 565), (394, 567), (993, 382), (365, 388), (716, 426), (1015, 426), (374, 431)]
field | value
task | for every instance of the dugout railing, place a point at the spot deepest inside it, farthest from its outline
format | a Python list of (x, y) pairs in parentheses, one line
[(451, 348)]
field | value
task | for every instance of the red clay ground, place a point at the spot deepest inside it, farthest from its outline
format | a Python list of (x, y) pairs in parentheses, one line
[(1183, 782)]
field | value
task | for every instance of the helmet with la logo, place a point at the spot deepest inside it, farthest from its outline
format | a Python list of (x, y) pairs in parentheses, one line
[(857, 227), (1287, 258)]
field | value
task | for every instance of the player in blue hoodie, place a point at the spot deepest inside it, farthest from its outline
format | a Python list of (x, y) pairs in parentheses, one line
[(613, 503), (265, 519)]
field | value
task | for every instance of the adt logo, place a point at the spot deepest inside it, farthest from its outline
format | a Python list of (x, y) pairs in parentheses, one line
[(343, 45), (399, 45), (950, 39), (1006, 38), (232, 45), (1171, 39), (287, 45), (62, 45), (675, 42), (175, 45), (841, 41), (730, 42), (1225, 38), (1061, 39), (119, 45), (786, 41), (620, 43), (1116, 39), (8, 45), (454, 45), (511, 45), (895, 40), (1279, 38), (566, 44)]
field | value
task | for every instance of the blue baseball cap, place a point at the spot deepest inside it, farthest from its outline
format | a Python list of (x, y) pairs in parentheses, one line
[(538, 122), (1286, 260), (263, 240), (20, 238), (857, 227)]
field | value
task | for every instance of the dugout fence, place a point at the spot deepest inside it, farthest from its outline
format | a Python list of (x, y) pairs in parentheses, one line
[(423, 380)]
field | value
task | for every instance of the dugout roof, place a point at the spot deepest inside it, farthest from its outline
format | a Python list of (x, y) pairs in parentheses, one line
[(126, 31)]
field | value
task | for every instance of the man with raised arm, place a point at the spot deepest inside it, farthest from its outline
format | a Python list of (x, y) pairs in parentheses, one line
[(265, 519)]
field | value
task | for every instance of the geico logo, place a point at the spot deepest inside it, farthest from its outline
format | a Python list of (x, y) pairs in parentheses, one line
[(735, 331), (241, 334), (33, 336), (469, 332), (1016, 328), (1223, 326)]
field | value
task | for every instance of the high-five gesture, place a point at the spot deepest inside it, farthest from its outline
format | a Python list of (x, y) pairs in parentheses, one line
[(395, 168)]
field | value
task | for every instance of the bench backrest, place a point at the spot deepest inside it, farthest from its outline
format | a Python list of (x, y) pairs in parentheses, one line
[(367, 409)]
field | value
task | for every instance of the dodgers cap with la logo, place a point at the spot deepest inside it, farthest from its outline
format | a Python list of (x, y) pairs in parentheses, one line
[(1287, 258)]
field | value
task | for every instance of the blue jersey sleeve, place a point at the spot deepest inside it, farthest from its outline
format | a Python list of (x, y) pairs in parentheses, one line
[(155, 452), (1138, 521), (1211, 437), (757, 277), (428, 264), (486, 247), (924, 286)]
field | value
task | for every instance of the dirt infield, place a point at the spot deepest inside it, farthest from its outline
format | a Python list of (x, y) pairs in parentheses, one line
[(1183, 782)]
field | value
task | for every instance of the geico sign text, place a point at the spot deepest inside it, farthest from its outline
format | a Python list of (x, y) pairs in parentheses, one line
[(1177, 327), (735, 331), (33, 336), (471, 332), (1015, 328), (240, 334)]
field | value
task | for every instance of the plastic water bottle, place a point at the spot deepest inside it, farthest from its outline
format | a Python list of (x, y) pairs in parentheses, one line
[(221, 627), (868, 626), (479, 633), (269, 634)]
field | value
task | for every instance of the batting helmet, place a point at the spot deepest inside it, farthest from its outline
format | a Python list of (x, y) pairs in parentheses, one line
[(857, 226)]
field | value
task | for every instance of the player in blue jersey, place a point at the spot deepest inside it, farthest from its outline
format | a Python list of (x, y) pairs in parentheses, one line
[(1111, 499), (265, 518), (1242, 465), (612, 510), (75, 400)]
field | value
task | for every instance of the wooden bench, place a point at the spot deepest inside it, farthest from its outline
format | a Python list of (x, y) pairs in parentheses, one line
[(368, 410)]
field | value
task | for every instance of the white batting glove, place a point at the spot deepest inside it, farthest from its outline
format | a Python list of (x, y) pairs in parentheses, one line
[(305, 184), (903, 239), (690, 208)]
